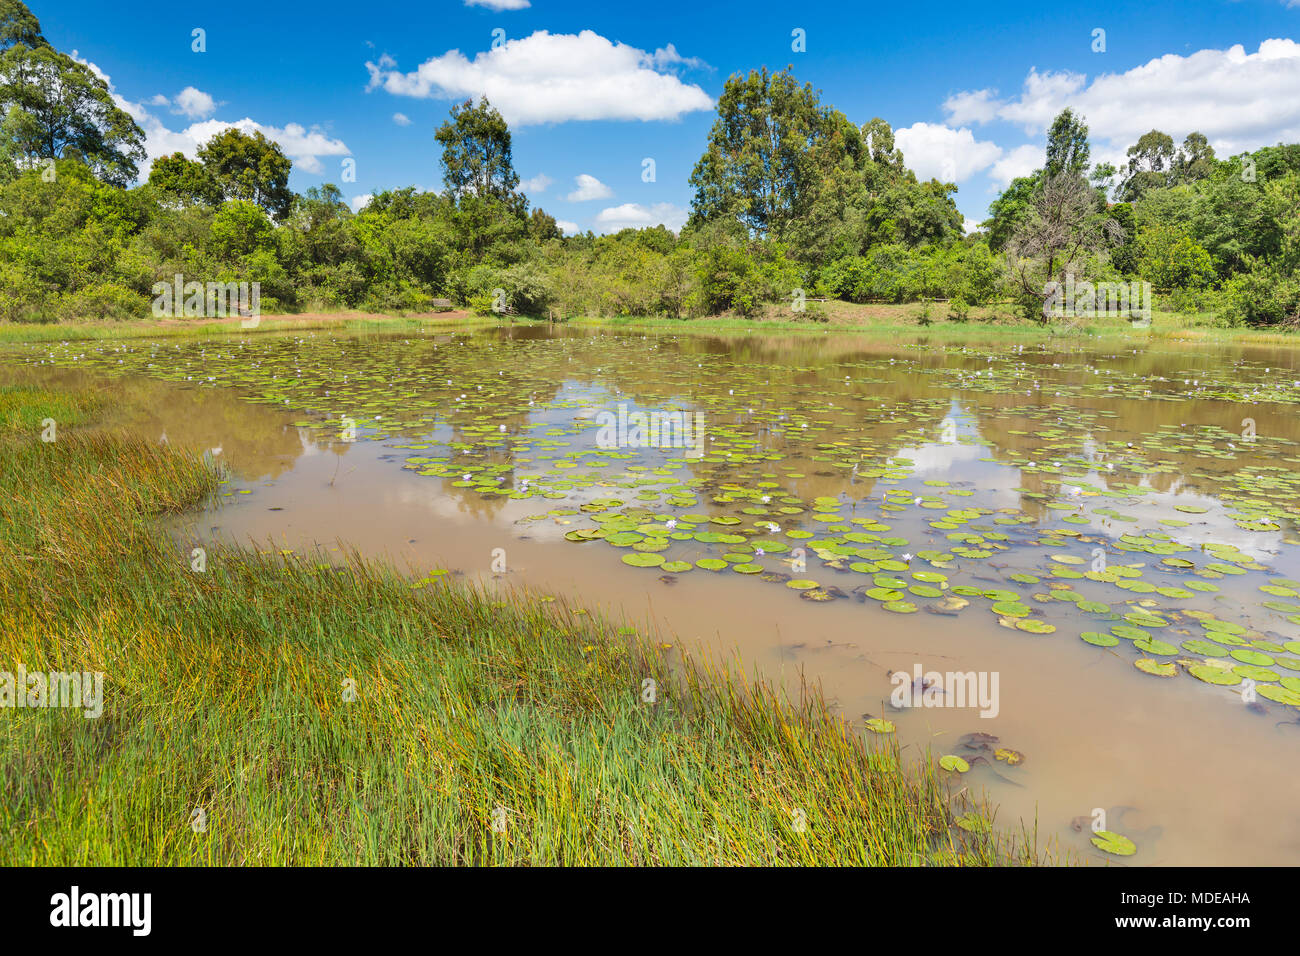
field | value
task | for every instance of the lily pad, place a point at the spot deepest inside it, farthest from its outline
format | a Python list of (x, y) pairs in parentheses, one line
[(1156, 668), (1115, 843)]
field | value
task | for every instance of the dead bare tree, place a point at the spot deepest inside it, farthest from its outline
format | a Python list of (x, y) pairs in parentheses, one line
[(1063, 230)]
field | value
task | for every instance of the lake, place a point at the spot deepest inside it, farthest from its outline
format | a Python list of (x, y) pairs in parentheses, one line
[(1087, 552)]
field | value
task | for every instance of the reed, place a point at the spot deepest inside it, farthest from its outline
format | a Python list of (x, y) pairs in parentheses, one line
[(276, 710)]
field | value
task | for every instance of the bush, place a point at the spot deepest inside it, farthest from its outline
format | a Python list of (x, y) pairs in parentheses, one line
[(467, 285), (1170, 259), (528, 289), (404, 296), (1262, 296), (881, 275), (107, 300), (729, 280), (480, 303), (976, 279), (1193, 301)]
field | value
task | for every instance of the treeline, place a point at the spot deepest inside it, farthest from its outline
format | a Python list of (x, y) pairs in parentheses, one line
[(1210, 235), (792, 202)]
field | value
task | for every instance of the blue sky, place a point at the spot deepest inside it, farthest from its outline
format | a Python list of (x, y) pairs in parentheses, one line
[(592, 90)]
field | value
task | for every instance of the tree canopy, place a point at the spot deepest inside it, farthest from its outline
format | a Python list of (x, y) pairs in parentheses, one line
[(785, 168), (54, 107), (476, 151), (251, 168)]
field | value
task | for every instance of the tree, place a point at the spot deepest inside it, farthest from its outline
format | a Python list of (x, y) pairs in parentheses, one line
[(406, 203), (1067, 145), (1067, 154), (184, 180), (476, 151), (19, 26), (914, 213), (1009, 210), (239, 229), (769, 147), (781, 166), (1150, 162), (878, 138), (249, 168), (1237, 221), (1170, 259), (542, 226), (1124, 253), (1061, 231), (1273, 162), (57, 108), (1195, 161)]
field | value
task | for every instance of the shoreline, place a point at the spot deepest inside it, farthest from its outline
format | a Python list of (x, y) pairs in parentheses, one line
[(899, 320), (227, 692)]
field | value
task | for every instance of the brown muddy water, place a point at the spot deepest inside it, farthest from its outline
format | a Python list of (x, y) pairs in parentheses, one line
[(862, 509)]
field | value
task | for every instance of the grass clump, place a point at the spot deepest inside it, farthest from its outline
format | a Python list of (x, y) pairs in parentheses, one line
[(272, 710)]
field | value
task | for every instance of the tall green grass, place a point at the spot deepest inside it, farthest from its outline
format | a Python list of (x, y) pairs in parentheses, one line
[(229, 703), (19, 332), (883, 321)]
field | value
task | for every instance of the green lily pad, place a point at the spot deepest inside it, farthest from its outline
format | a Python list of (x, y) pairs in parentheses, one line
[(1099, 639), (1213, 675), (1115, 843), (1156, 668)]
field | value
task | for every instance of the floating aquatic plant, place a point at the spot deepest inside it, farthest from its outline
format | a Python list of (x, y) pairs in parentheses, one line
[(1070, 516)]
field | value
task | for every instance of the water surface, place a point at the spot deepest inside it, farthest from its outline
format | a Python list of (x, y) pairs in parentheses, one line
[(1108, 533)]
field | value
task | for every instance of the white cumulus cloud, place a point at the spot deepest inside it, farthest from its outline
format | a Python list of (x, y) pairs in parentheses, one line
[(553, 78), (935, 151), (589, 187), (568, 228), (537, 184), (1018, 162), (499, 5), (401, 119), (1239, 100), (194, 104), (633, 215), (302, 145)]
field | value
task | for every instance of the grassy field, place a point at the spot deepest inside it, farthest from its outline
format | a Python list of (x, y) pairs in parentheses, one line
[(998, 322), (164, 328), (268, 710)]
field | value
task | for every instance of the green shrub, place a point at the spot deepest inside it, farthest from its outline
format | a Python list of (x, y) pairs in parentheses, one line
[(404, 296), (729, 280), (1171, 259), (108, 300), (528, 288), (1262, 296), (480, 303)]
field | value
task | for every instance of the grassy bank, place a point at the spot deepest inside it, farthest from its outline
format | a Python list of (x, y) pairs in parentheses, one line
[(992, 323), (166, 328), (329, 715)]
